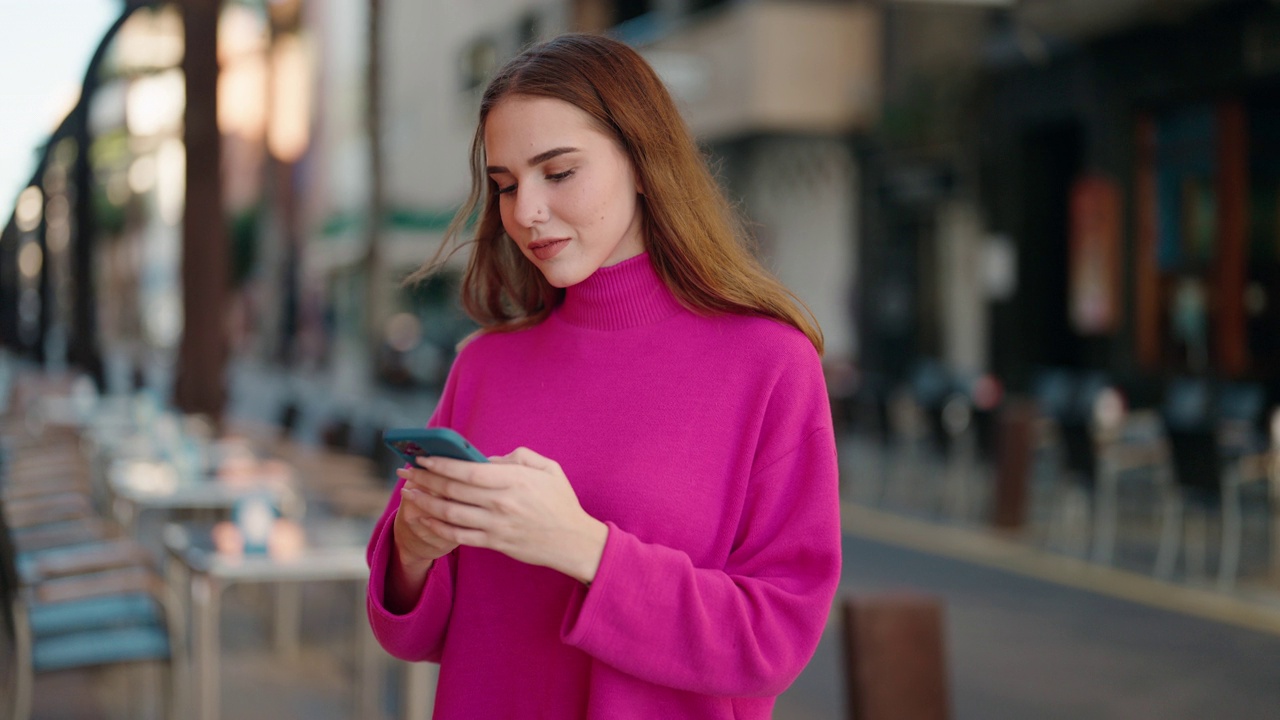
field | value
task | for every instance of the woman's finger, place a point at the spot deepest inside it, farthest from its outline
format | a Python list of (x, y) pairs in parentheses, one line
[(416, 537), (414, 477), (530, 459), (456, 535), (445, 487), (455, 513), (441, 486), (483, 475), (411, 503)]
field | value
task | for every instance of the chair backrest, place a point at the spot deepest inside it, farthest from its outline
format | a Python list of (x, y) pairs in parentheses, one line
[(1052, 390), (931, 383), (1075, 422), (1188, 404), (1088, 387), (1190, 418), (1079, 456), (1242, 402), (1197, 458)]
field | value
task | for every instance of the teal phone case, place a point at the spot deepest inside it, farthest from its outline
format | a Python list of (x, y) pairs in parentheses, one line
[(412, 443)]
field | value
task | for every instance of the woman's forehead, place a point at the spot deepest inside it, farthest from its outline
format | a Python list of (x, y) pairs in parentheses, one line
[(523, 126)]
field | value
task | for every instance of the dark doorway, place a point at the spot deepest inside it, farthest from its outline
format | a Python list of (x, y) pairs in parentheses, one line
[(1037, 332)]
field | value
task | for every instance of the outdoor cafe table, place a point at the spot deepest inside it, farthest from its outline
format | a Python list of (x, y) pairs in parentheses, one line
[(136, 486), (198, 573)]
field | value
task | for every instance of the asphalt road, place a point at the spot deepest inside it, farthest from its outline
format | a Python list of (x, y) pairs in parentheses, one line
[(1024, 648)]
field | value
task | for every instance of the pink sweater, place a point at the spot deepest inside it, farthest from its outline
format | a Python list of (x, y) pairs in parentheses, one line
[(706, 446)]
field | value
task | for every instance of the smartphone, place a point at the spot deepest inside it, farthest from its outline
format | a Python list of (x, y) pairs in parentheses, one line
[(413, 443)]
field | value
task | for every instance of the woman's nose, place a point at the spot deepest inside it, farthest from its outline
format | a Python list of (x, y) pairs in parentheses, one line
[(531, 207)]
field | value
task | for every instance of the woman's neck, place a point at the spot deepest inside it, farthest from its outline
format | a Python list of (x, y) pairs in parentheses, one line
[(628, 294)]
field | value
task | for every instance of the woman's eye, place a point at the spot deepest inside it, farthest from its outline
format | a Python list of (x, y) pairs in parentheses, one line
[(504, 190), (557, 177)]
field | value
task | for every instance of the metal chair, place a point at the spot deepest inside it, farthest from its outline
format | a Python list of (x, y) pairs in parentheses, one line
[(1075, 431), (72, 599), (1243, 439), (1130, 445), (105, 615), (1091, 444), (1258, 472), (1215, 454), (933, 420)]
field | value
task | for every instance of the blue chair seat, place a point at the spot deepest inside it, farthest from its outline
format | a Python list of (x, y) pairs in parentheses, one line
[(101, 647), (99, 613)]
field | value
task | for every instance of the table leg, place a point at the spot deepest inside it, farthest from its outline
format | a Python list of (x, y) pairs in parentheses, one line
[(204, 647), (1275, 541), (370, 655), (127, 515), (288, 616), (419, 690), (179, 587), (1273, 498)]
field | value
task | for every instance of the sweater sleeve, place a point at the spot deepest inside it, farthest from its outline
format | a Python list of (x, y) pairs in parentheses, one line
[(747, 629), (418, 634)]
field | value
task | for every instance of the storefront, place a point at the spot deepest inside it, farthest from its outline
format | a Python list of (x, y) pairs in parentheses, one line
[(1142, 189)]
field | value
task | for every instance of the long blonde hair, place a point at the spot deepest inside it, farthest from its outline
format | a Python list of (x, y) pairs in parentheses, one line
[(694, 239)]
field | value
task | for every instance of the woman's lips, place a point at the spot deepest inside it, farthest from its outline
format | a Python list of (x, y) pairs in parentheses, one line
[(547, 249)]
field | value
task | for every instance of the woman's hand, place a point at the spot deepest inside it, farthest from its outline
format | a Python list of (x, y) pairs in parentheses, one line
[(520, 505), (417, 542), (417, 545)]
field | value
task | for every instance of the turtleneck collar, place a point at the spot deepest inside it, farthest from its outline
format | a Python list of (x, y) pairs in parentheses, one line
[(626, 295)]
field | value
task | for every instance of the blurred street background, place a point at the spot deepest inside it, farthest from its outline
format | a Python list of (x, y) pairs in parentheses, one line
[(1042, 238)]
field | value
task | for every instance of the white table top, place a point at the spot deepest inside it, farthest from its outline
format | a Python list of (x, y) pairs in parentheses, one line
[(334, 551)]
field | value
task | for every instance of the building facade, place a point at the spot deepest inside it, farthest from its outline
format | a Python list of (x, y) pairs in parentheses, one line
[(1135, 166)]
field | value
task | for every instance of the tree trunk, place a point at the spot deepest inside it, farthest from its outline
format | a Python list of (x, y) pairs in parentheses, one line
[(284, 203), (200, 386), (83, 332), (373, 275)]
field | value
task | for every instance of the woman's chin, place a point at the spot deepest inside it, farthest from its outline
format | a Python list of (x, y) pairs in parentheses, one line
[(558, 278), (561, 273)]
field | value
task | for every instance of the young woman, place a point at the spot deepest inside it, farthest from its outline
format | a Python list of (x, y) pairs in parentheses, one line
[(657, 535)]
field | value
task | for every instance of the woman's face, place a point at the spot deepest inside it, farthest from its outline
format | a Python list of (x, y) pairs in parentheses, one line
[(567, 192)]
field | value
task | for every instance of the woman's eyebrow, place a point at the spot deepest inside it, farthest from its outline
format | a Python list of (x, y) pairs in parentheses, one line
[(535, 160)]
